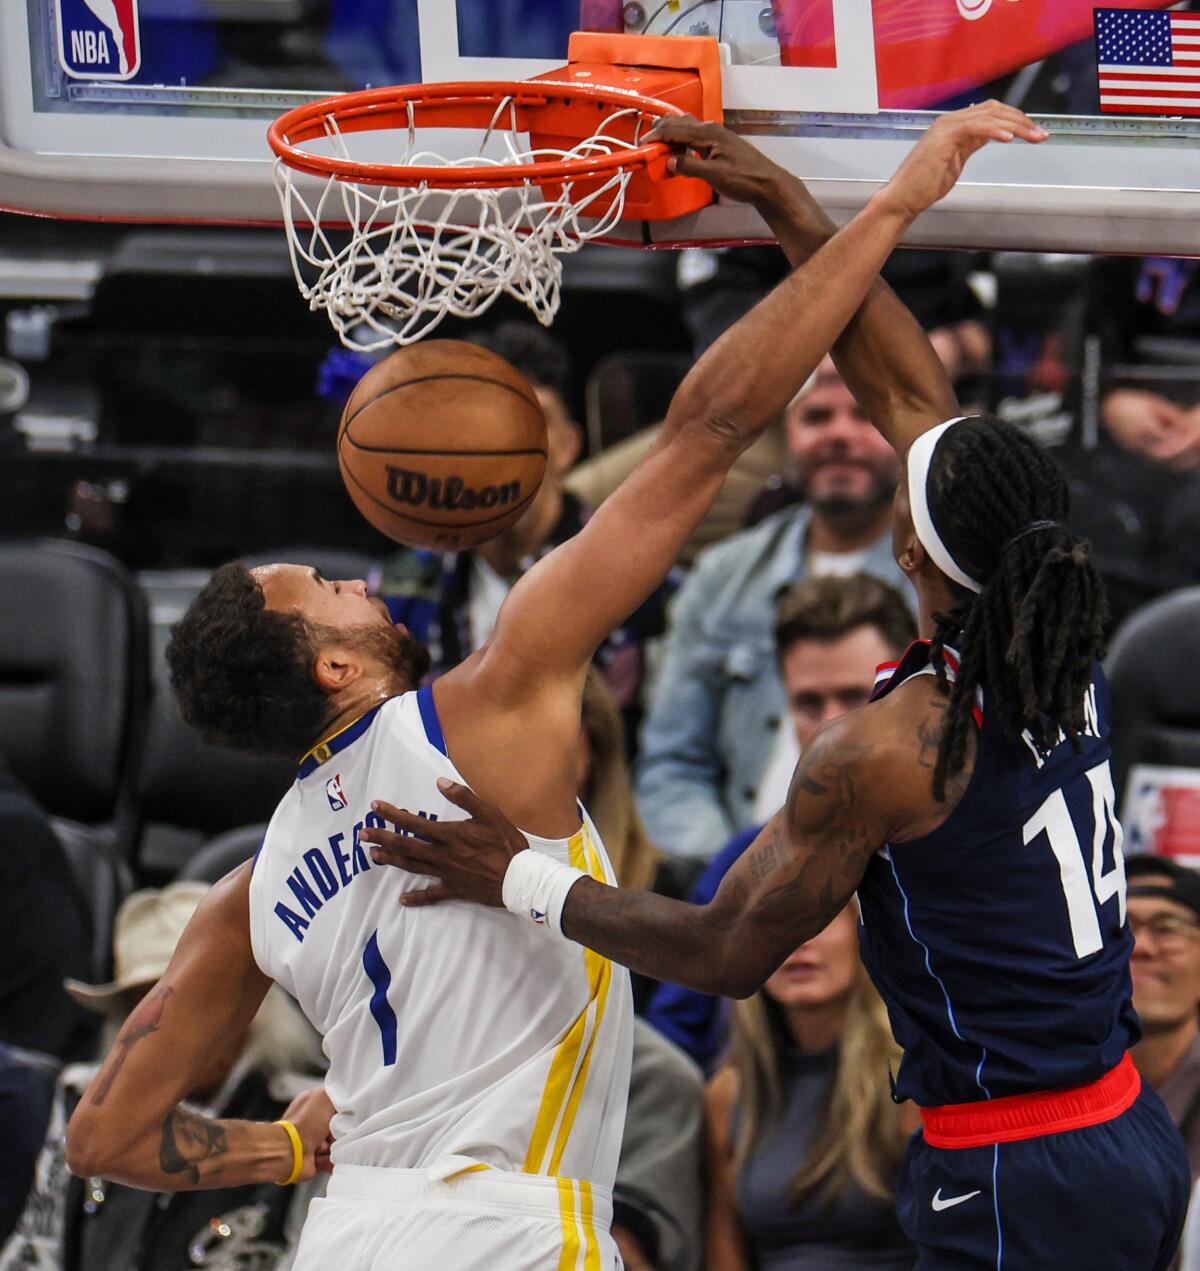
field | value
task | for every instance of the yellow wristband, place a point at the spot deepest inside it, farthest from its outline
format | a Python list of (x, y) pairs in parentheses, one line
[(297, 1153)]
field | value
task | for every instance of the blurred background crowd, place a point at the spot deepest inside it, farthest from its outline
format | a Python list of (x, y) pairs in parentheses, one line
[(166, 404)]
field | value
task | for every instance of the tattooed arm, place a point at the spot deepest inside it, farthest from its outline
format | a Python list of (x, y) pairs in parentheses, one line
[(787, 886), (182, 1039), (858, 784)]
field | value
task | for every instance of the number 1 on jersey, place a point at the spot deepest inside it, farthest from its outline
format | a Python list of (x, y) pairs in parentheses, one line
[(1054, 820)]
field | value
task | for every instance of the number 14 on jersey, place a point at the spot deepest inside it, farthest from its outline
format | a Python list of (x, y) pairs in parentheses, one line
[(1084, 890)]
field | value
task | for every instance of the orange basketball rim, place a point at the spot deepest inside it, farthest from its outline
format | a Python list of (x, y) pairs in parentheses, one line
[(430, 236)]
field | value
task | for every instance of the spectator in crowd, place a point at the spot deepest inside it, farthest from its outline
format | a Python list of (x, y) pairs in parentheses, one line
[(657, 1202), (24, 1111), (450, 601), (658, 1195), (830, 635), (607, 792), (1164, 916), (73, 1224), (716, 712), (47, 933), (803, 1141), (718, 286), (1135, 486)]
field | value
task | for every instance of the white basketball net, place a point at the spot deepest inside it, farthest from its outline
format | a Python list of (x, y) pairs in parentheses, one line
[(388, 263)]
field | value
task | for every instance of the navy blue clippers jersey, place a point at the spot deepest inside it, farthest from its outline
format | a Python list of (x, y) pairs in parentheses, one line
[(999, 941)]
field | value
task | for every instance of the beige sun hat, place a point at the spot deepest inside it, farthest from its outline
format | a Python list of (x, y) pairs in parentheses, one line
[(146, 931)]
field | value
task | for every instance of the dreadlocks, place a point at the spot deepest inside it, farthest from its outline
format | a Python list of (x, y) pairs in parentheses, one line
[(1030, 635)]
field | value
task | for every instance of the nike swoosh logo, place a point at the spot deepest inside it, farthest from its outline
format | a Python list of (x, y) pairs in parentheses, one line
[(939, 1204)]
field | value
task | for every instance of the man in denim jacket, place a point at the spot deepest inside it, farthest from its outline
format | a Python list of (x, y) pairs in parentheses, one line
[(717, 711)]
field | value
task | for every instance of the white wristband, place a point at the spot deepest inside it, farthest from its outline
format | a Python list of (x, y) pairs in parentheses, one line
[(535, 887)]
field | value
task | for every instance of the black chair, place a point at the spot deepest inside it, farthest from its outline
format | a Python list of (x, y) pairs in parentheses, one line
[(226, 852), (104, 879), (1153, 667), (73, 681), (630, 391), (74, 692)]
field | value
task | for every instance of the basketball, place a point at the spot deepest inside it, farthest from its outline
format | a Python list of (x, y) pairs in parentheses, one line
[(442, 445)]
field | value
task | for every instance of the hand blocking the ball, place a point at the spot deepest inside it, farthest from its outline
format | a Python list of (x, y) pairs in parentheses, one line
[(442, 445)]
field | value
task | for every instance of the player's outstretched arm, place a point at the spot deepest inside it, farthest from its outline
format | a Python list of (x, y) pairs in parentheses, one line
[(883, 355), (791, 881), (560, 611), (129, 1126)]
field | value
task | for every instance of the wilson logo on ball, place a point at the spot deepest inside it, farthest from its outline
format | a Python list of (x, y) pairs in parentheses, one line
[(452, 494)]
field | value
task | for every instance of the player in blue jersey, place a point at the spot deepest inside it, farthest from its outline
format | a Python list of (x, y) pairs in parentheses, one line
[(971, 807)]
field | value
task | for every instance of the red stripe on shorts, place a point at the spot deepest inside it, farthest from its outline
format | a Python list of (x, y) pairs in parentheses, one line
[(1029, 1116)]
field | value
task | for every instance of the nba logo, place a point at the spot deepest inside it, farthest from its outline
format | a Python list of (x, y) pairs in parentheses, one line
[(98, 39), (333, 792)]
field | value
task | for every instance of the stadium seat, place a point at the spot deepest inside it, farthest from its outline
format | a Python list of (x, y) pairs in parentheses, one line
[(630, 391), (73, 682), (1153, 667), (224, 853)]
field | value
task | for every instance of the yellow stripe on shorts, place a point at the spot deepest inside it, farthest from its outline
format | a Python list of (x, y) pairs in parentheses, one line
[(569, 1258), (591, 1243)]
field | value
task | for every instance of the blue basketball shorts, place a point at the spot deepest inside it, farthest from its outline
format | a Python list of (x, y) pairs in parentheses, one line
[(1110, 1196)]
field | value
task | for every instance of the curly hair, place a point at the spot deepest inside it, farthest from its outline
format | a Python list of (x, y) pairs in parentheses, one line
[(1031, 634), (242, 672)]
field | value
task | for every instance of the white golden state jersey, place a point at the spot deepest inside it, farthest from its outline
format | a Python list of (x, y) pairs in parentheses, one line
[(452, 1031)]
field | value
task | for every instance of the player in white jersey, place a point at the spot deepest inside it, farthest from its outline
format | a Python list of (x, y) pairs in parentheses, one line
[(477, 1069), (458, 1044)]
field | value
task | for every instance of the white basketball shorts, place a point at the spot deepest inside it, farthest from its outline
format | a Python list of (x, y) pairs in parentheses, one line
[(477, 1219)]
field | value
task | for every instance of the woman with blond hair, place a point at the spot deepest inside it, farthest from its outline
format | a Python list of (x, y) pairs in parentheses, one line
[(605, 789), (803, 1141)]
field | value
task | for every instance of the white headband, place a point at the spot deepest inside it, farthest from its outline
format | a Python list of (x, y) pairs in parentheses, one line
[(920, 454)]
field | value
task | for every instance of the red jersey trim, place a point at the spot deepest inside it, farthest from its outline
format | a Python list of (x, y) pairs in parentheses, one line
[(885, 672), (1030, 1116)]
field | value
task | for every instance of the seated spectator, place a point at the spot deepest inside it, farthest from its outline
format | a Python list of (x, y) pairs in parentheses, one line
[(1164, 917), (1154, 426), (717, 709), (718, 286), (24, 1111), (803, 1141), (657, 1197), (830, 635), (1136, 492), (72, 1224), (47, 933), (450, 601), (1135, 497), (605, 790)]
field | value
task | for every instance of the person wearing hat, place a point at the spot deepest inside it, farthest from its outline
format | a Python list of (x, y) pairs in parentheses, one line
[(73, 1224), (1164, 917)]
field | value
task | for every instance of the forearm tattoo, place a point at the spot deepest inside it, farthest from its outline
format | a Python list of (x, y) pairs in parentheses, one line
[(188, 1142), (145, 1019)]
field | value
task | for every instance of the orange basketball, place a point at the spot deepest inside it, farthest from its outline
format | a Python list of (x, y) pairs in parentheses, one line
[(442, 445)]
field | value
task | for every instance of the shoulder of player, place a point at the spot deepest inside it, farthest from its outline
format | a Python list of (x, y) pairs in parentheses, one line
[(867, 758), (225, 909), (215, 949)]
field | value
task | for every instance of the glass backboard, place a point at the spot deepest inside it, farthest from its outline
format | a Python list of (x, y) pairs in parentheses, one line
[(157, 109)]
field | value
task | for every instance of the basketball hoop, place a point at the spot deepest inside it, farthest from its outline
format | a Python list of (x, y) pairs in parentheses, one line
[(389, 246)]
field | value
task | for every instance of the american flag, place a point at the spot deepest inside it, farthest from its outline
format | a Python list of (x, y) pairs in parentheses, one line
[(1149, 61)]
